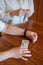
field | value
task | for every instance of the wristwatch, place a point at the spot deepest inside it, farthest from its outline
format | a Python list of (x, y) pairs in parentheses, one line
[(25, 32)]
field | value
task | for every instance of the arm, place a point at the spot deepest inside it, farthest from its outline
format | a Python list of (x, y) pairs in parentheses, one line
[(13, 30), (4, 55), (17, 53)]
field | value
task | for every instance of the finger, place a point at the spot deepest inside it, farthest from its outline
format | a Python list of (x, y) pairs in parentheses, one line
[(27, 52), (35, 38), (22, 12), (27, 55), (24, 59), (23, 49)]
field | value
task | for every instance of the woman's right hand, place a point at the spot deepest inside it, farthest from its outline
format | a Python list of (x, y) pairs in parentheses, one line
[(13, 13), (17, 12), (20, 53)]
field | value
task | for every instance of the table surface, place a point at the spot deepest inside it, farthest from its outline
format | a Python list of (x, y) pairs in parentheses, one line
[(7, 42)]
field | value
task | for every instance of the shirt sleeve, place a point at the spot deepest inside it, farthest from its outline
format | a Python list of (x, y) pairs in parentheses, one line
[(3, 14), (28, 4), (2, 26), (31, 8)]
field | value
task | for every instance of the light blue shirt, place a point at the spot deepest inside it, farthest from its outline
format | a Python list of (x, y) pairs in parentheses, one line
[(2, 26), (10, 5)]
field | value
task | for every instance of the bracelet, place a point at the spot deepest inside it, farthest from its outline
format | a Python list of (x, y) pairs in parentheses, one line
[(25, 33)]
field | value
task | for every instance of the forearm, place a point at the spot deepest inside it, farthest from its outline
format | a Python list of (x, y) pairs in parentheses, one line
[(13, 30), (5, 55)]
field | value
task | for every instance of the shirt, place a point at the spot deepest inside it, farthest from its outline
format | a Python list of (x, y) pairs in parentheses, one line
[(10, 5), (2, 25)]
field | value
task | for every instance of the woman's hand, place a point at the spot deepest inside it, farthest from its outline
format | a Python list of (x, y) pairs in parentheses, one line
[(22, 12), (13, 13), (32, 35), (20, 53)]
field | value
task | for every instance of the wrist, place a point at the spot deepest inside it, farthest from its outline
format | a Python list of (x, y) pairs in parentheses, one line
[(12, 53), (28, 34)]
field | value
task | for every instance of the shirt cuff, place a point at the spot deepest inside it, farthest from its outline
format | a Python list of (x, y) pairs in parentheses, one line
[(2, 25)]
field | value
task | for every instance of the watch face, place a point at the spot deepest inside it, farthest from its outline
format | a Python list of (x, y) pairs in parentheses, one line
[(25, 44)]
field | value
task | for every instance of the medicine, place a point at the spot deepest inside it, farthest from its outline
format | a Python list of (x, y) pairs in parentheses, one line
[(25, 44)]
